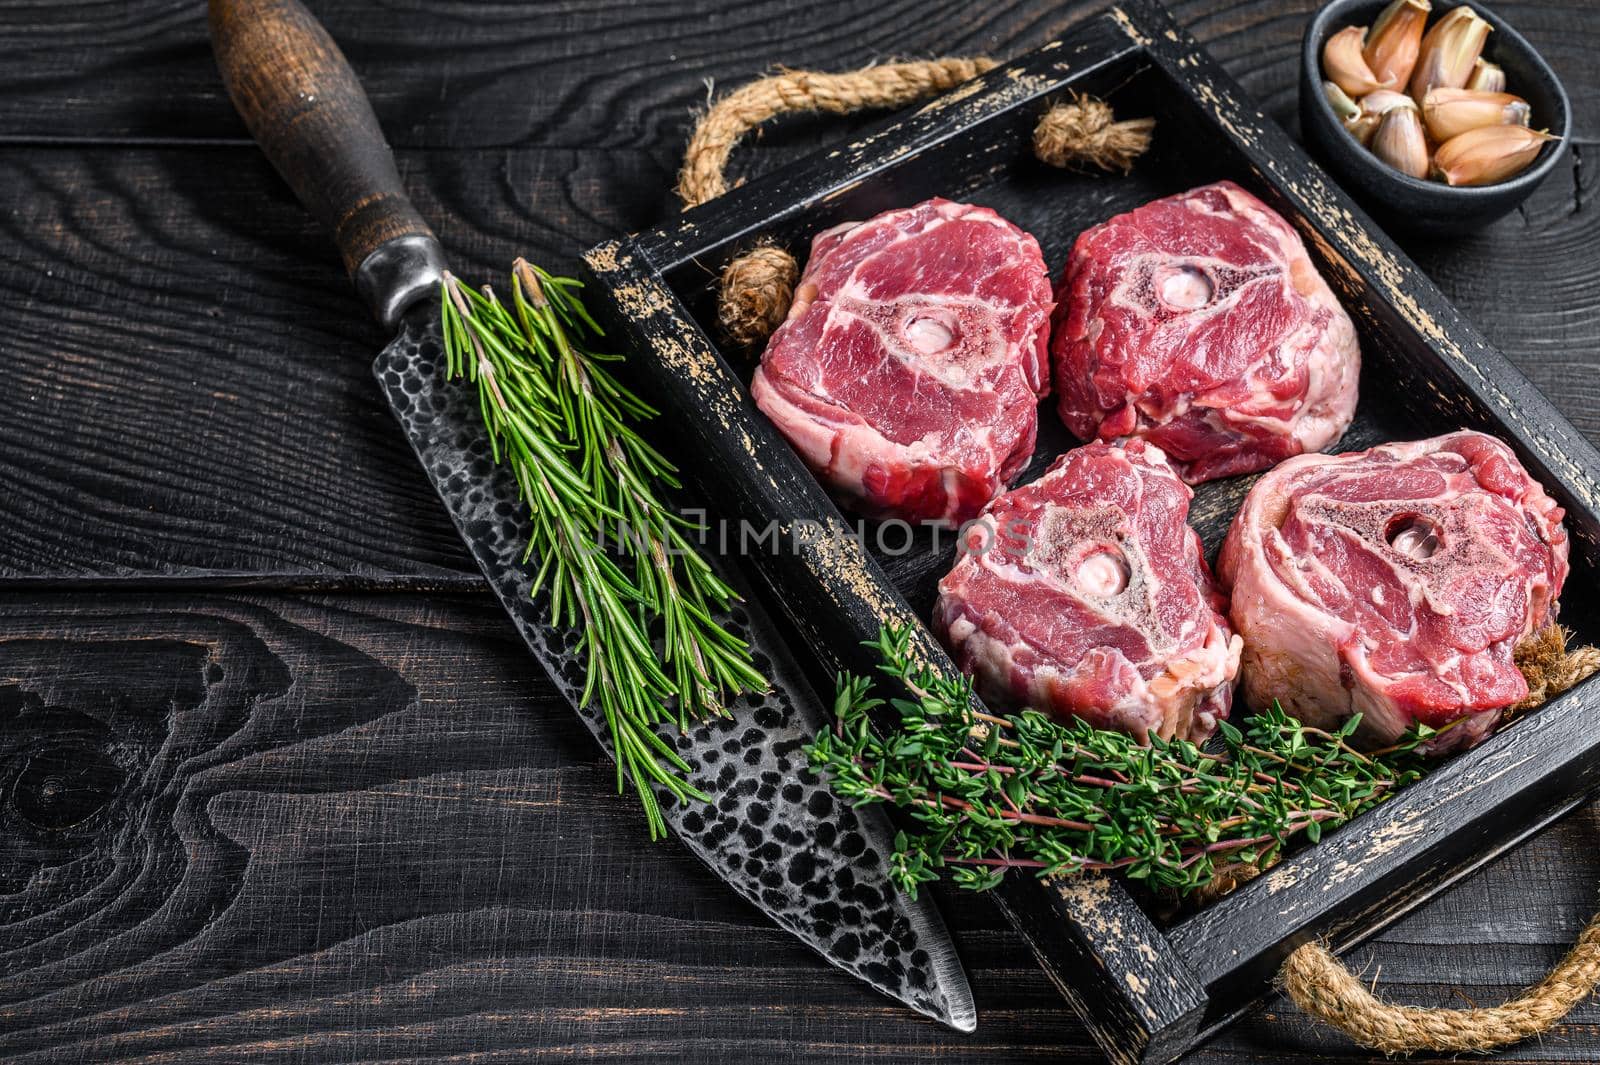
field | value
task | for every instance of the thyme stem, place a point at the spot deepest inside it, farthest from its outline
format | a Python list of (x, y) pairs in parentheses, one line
[(989, 793)]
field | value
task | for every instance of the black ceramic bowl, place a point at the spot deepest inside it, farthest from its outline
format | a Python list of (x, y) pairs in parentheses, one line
[(1403, 202)]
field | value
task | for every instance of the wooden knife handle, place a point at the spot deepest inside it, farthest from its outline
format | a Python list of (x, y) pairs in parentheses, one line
[(305, 107)]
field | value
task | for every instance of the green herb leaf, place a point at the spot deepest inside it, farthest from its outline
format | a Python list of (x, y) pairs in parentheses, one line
[(617, 561), (1027, 791)]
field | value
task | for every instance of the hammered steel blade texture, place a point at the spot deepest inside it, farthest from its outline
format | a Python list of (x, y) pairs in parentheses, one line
[(773, 830)]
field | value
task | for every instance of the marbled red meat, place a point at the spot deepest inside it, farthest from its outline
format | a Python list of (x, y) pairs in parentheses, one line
[(909, 372), (1394, 583), (1085, 593), (1199, 323)]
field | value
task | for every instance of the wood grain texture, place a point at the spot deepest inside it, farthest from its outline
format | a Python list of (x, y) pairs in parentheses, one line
[(357, 829), (332, 828), (575, 73), (190, 387)]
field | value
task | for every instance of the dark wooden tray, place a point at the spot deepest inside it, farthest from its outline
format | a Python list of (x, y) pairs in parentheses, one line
[(1149, 984)]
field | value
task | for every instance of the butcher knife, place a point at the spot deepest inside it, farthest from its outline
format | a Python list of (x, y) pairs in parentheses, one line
[(772, 830)]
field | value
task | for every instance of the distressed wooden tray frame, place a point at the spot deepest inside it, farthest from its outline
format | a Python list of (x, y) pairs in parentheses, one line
[(1147, 992)]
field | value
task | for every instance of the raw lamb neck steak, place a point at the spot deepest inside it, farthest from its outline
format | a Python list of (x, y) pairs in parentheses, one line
[(910, 369), (1199, 323), (1394, 583), (1085, 593)]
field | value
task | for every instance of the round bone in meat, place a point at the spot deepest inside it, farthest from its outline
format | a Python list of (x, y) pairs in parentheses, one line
[(1394, 583), (1085, 593), (1199, 323), (910, 381)]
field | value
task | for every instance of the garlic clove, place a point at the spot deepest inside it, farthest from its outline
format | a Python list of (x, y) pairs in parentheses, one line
[(1342, 63), (1395, 41), (1450, 112), (1400, 142), (1363, 128), (1449, 51), (1486, 77), (1384, 101), (1344, 108), (1488, 154)]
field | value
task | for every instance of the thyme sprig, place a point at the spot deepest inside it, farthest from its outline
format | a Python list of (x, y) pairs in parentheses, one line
[(1025, 791), (619, 563)]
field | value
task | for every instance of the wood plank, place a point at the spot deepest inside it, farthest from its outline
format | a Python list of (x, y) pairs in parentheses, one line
[(483, 74), (572, 73), (255, 828), (590, 74)]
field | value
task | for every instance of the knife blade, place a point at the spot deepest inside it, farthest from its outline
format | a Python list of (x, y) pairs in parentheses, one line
[(773, 831)]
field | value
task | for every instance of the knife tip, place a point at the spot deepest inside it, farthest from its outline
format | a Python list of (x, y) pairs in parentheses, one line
[(965, 1022)]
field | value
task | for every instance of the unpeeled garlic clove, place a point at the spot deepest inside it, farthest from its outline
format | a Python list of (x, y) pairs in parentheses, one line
[(1359, 123), (1451, 112), (1488, 154), (1342, 63), (1385, 100), (1449, 51), (1344, 108), (1395, 41), (1486, 77), (1363, 129), (1400, 142)]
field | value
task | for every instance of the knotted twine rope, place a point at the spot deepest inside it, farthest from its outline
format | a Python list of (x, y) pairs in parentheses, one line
[(1323, 987), (758, 287), (757, 291)]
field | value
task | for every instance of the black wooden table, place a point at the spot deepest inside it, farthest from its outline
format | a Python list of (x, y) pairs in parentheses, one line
[(276, 782)]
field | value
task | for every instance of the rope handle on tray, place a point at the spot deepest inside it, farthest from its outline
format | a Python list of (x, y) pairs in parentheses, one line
[(758, 286), (757, 292), (1321, 985)]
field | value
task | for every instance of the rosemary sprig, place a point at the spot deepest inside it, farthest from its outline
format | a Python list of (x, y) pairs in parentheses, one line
[(993, 793), (619, 564)]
